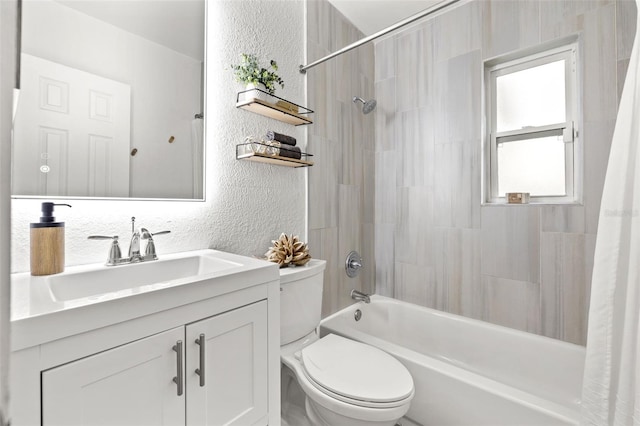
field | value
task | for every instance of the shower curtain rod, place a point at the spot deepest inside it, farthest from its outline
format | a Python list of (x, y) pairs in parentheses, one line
[(410, 19)]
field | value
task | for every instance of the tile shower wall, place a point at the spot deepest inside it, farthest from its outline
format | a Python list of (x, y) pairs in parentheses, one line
[(526, 267), (341, 183)]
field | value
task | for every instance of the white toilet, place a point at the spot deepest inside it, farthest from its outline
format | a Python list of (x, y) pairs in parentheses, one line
[(339, 382)]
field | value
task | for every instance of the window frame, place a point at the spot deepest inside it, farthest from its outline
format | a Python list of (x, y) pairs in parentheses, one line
[(568, 129)]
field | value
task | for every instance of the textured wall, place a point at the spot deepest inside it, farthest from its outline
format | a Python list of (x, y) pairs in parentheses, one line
[(527, 267), (341, 183), (247, 204)]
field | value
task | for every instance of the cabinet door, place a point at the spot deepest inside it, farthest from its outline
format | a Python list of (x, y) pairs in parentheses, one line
[(128, 385), (234, 359)]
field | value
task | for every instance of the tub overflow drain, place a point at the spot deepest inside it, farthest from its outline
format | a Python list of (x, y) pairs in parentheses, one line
[(357, 314)]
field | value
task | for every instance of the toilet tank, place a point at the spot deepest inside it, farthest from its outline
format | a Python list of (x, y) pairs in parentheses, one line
[(300, 300)]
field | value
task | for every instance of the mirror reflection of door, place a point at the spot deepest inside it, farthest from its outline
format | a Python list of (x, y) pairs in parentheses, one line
[(75, 128), (156, 48)]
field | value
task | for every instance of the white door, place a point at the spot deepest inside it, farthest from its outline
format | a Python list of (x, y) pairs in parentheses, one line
[(234, 391), (129, 385), (71, 132)]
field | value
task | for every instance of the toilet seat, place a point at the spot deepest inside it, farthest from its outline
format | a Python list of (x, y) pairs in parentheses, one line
[(356, 373)]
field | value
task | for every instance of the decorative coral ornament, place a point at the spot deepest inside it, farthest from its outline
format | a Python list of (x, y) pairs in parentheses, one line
[(288, 250)]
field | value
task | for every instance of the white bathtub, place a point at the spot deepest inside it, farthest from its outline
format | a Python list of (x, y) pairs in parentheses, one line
[(468, 372)]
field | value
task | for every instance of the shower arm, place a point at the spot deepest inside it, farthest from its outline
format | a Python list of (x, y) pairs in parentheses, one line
[(429, 11)]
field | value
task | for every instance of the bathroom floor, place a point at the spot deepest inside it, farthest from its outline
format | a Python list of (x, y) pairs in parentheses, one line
[(296, 417)]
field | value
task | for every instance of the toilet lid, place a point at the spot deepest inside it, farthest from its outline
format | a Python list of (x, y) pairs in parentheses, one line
[(356, 371)]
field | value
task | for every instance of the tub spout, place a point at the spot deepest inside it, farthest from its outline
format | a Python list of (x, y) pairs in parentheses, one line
[(358, 295)]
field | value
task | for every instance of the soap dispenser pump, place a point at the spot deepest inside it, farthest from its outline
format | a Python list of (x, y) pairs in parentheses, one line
[(47, 243)]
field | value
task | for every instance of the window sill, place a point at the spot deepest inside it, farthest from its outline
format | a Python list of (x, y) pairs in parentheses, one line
[(532, 203)]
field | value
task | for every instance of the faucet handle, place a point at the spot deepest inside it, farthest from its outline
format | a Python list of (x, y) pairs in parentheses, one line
[(353, 264), (146, 235), (102, 237), (150, 250), (114, 251)]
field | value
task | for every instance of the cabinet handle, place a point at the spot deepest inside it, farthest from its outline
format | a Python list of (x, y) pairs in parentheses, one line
[(179, 379), (200, 371)]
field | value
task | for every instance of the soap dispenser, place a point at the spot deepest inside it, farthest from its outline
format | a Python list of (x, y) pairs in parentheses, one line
[(47, 243)]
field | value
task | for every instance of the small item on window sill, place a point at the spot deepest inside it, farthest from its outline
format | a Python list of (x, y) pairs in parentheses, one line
[(517, 197)]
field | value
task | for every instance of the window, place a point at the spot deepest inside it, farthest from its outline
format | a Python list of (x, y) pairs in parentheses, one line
[(532, 127)]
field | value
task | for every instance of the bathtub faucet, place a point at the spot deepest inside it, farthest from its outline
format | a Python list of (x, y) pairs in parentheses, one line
[(358, 295)]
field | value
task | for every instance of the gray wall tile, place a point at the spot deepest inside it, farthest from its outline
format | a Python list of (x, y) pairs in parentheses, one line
[(623, 65), (414, 227), (457, 266), (385, 114), (563, 293), (385, 48), (457, 32), (412, 69), (416, 284), (509, 26), (626, 16), (511, 303), (558, 218), (414, 148), (597, 144), (342, 190), (386, 187), (384, 259), (527, 267), (457, 184), (511, 242), (600, 70)]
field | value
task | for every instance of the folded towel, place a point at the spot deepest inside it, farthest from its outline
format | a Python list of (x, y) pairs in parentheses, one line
[(273, 136), (288, 151)]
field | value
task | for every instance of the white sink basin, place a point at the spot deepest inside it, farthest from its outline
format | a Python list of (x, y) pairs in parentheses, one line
[(89, 297), (98, 280)]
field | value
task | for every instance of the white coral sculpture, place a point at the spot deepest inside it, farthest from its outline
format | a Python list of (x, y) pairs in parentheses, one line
[(288, 250)]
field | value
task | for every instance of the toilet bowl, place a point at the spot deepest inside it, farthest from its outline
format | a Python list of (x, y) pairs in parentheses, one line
[(345, 383)]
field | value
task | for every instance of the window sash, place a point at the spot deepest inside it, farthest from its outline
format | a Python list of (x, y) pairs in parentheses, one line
[(562, 129), (567, 129)]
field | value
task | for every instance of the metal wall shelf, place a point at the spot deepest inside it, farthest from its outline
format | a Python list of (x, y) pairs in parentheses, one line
[(247, 151), (260, 102)]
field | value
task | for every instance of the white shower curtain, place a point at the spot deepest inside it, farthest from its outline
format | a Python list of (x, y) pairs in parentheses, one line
[(611, 388)]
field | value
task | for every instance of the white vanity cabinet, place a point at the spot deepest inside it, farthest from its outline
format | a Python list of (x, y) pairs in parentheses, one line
[(233, 390), (128, 385), (202, 353), (139, 384)]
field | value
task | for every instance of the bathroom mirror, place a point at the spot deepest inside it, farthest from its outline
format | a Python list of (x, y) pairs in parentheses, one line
[(110, 99)]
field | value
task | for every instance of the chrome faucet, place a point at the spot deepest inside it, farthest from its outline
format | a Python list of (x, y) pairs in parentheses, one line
[(133, 256), (134, 245), (358, 295)]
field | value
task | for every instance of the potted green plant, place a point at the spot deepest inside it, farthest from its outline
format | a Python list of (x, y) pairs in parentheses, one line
[(253, 75)]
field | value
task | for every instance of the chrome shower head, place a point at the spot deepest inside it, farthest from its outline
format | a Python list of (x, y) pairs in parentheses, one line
[(367, 106)]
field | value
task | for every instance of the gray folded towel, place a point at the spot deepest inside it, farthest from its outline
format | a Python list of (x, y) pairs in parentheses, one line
[(273, 136), (290, 151)]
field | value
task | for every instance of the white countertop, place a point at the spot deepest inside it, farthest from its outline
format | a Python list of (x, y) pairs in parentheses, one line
[(37, 317)]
